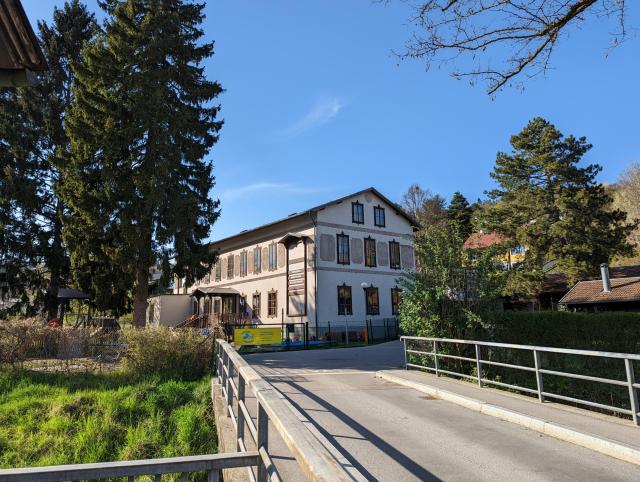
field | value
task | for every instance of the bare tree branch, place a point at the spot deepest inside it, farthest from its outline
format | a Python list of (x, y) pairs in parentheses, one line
[(527, 30)]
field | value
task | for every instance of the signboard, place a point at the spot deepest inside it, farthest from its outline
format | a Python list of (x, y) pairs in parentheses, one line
[(257, 336)]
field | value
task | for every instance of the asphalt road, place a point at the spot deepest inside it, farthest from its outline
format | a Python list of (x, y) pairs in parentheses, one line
[(393, 433)]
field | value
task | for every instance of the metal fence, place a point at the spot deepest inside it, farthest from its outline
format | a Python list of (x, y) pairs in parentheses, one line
[(210, 464), (428, 354), (237, 378)]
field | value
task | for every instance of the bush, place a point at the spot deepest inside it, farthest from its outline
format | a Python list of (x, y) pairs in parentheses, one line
[(183, 354)]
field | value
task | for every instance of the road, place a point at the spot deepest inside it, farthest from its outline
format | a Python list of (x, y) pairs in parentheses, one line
[(393, 433)]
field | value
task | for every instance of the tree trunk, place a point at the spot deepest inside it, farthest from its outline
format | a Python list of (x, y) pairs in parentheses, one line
[(141, 295)]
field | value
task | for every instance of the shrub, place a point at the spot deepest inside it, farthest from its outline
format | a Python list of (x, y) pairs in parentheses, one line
[(184, 354)]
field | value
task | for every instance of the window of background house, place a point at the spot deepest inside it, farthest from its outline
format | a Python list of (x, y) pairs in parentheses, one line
[(243, 263), (257, 259), (378, 216), (357, 213), (216, 305), (218, 270), (273, 257), (344, 300), (370, 252), (230, 267), (373, 303), (394, 255), (272, 304), (395, 300), (342, 241), (255, 306)]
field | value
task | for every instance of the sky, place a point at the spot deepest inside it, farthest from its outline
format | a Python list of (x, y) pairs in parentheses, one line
[(316, 106)]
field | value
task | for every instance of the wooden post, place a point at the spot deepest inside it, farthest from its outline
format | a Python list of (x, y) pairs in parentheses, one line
[(263, 442), (240, 419)]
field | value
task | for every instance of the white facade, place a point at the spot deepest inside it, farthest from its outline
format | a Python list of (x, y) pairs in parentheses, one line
[(298, 267)]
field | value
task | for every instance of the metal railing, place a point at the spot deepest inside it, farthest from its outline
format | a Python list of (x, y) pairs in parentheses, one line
[(315, 460), (540, 392), (211, 464)]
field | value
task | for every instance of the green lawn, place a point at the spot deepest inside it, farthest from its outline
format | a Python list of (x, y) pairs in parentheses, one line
[(50, 419)]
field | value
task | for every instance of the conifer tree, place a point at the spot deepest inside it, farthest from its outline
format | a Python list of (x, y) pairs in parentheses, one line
[(33, 144), (142, 125), (459, 215), (554, 207)]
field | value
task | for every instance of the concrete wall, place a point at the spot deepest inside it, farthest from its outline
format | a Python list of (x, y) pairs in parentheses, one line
[(168, 310)]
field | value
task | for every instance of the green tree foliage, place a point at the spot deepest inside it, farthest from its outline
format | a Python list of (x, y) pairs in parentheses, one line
[(451, 294), (459, 215), (33, 144), (548, 203), (141, 126)]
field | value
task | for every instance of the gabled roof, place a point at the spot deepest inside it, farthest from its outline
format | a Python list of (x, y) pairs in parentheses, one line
[(19, 48), (589, 292), (312, 210), (481, 240)]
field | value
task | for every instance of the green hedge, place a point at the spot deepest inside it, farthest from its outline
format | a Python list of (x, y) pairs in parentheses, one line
[(607, 331)]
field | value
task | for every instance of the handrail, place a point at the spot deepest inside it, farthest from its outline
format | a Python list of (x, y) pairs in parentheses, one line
[(212, 464), (315, 460), (629, 382)]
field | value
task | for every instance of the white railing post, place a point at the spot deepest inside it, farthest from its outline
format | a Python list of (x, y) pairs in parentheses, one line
[(478, 365), (213, 476), (228, 385), (539, 384), (240, 419), (633, 394), (435, 357), (404, 344), (263, 442)]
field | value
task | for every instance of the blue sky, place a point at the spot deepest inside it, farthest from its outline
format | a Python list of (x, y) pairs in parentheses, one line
[(316, 106)]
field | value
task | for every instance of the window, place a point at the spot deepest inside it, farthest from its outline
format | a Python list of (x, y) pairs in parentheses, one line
[(343, 248), (344, 300), (273, 257), (217, 303), (257, 259), (272, 304), (243, 263), (357, 213), (373, 303), (230, 267), (394, 255), (395, 300), (370, 252), (378, 216), (218, 270), (179, 283), (255, 305)]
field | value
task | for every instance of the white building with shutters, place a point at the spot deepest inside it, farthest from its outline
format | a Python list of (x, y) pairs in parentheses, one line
[(338, 262)]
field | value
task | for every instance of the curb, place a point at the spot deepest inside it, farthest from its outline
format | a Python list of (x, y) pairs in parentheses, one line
[(593, 442)]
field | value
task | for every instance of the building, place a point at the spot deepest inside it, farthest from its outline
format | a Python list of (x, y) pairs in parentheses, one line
[(510, 257), (337, 262), (604, 294), (20, 54)]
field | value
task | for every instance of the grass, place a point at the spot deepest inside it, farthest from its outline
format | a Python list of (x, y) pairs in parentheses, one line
[(51, 419)]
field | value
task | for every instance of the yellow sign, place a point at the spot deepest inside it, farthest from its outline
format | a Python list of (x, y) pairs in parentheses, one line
[(257, 336)]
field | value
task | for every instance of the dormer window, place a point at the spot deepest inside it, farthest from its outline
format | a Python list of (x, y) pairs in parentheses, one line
[(357, 213), (378, 216)]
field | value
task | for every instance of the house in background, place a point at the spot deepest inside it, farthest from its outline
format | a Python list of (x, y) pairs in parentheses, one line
[(481, 240), (337, 262), (20, 53), (604, 294)]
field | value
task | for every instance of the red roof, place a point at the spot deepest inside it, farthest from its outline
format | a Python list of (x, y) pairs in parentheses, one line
[(588, 292), (484, 240)]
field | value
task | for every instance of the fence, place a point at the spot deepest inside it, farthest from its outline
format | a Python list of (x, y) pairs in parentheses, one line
[(210, 464), (439, 349), (236, 378), (307, 335)]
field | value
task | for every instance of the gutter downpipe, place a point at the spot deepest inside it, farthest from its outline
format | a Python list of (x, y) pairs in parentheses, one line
[(314, 220)]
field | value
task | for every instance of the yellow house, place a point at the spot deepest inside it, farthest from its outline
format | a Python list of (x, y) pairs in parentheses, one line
[(481, 240)]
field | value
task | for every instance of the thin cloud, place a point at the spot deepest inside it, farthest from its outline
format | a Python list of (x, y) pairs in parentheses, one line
[(263, 187), (322, 112)]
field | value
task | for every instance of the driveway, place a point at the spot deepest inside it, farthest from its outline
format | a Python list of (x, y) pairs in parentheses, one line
[(393, 433)]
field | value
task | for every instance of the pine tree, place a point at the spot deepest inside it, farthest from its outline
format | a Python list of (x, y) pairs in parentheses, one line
[(459, 215), (142, 125), (34, 144), (557, 209)]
